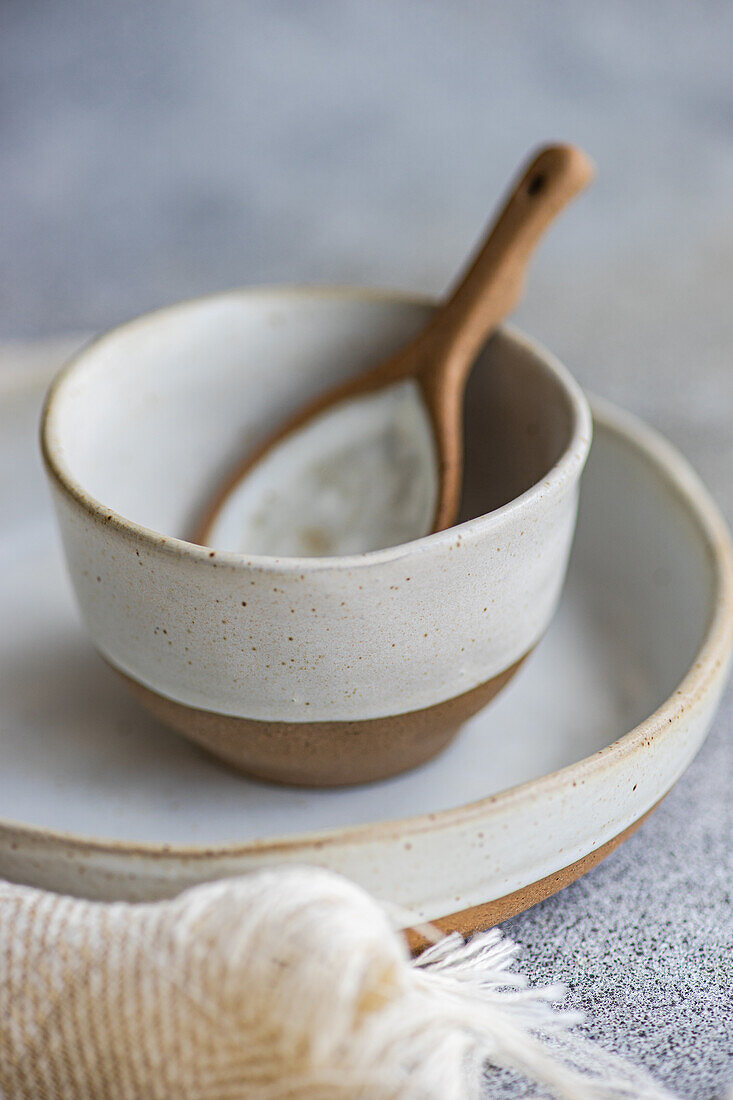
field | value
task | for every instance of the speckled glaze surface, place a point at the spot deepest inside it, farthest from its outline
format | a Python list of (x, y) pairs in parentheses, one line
[(137, 430), (99, 800)]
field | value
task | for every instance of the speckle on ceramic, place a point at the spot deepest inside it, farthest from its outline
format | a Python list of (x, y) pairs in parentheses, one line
[(138, 429)]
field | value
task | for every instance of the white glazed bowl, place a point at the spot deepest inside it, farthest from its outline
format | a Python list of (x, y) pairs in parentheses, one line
[(304, 670)]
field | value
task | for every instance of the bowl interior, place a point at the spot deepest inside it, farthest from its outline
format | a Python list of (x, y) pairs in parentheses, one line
[(155, 413)]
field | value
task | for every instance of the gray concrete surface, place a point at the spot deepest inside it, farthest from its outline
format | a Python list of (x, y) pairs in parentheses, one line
[(152, 151)]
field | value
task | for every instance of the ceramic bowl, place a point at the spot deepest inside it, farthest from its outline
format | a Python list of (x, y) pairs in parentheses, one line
[(304, 670)]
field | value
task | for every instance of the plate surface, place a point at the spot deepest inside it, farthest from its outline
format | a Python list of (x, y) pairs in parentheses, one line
[(97, 799)]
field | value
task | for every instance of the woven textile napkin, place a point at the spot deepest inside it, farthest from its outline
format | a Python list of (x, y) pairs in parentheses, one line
[(290, 983)]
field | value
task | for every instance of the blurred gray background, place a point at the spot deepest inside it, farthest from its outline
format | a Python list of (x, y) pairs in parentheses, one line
[(156, 150)]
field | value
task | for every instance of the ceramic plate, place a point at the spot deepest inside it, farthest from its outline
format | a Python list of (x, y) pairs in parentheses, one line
[(96, 799)]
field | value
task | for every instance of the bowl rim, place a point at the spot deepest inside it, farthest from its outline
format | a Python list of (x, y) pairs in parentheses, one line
[(564, 470)]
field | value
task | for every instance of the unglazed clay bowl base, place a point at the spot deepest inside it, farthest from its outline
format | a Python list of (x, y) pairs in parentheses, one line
[(324, 754), (311, 670)]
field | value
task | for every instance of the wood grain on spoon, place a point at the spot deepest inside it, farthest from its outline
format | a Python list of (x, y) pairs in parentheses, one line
[(441, 356)]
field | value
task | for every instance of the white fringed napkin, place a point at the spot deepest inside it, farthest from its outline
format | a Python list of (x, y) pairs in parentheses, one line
[(290, 983)]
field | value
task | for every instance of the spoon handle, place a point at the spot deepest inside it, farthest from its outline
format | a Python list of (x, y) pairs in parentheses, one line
[(487, 292), (492, 284)]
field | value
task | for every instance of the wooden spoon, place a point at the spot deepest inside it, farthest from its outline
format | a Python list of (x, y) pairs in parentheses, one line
[(439, 359)]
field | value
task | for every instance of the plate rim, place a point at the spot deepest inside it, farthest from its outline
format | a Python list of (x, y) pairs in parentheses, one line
[(711, 657)]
